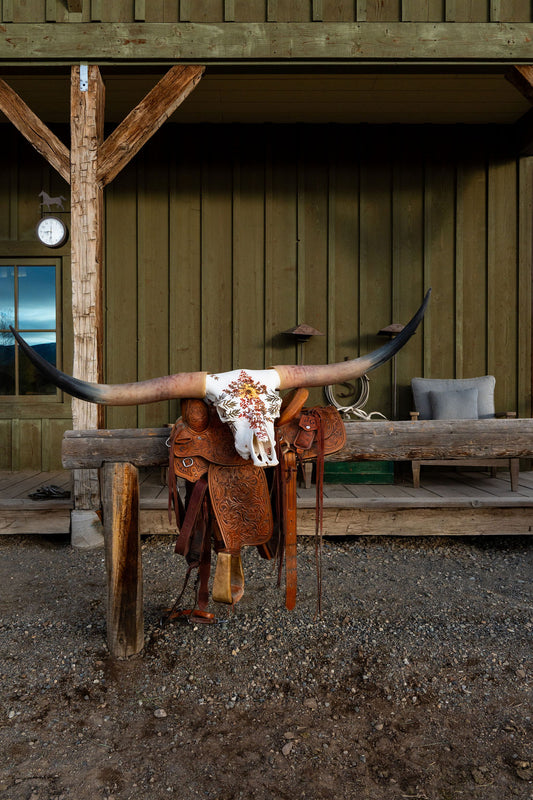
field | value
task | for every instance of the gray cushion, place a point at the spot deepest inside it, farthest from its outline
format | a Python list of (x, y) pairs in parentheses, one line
[(485, 385), (454, 405)]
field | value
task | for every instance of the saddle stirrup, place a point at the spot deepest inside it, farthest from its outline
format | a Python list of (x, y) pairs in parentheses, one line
[(228, 583)]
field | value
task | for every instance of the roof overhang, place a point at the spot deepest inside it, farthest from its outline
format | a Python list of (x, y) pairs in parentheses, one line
[(392, 95)]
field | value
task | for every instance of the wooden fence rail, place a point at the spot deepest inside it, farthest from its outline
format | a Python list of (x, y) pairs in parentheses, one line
[(374, 441)]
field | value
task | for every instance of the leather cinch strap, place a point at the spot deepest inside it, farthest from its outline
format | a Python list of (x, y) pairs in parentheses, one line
[(174, 500), (310, 434), (183, 542), (319, 508), (288, 469), (194, 542)]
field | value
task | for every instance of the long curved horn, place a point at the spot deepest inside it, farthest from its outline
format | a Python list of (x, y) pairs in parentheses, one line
[(183, 384), (292, 377)]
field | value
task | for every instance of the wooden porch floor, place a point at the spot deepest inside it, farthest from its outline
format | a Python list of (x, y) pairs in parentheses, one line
[(448, 502)]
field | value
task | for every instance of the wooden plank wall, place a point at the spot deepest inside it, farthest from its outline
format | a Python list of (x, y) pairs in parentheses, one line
[(269, 11), (30, 431), (219, 238), (226, 236)]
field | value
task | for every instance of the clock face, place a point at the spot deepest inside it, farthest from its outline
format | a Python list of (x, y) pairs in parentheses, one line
[(52, 231)]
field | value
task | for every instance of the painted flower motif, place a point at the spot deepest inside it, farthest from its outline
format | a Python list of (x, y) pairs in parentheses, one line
[(251, 400)]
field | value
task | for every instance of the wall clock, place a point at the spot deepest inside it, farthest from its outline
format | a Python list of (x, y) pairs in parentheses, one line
[(52, 231)]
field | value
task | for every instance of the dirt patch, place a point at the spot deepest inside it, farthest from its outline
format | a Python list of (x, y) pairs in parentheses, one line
[(414, 683)]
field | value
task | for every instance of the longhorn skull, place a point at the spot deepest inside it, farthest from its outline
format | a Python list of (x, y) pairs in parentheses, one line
[(248, 400)]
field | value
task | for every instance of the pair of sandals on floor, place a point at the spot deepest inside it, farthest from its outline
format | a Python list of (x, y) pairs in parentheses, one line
[(50, 492)]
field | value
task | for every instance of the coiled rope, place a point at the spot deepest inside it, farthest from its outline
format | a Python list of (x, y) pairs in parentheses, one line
[(356, 408)]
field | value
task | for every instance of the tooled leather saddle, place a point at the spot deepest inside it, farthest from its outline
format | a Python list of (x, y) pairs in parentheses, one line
[(229, 502)]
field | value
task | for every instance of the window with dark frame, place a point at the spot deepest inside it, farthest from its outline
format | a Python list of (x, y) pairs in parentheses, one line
[(28, 302)]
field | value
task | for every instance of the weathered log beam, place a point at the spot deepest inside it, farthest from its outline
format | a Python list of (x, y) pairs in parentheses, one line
[(437, 439), (125, 631), (505, 42), (365, 441), (93, 448), (145, 119), (36, 132)]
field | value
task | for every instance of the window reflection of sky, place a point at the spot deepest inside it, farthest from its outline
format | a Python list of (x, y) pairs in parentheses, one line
[(48, 337), (36, 300), (28, 302), (37, 297), (7, 296)]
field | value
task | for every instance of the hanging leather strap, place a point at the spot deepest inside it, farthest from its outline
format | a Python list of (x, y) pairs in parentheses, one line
[(319, 506), (311, 433), (204, 568), (288, 470), (174, 500), (194, 542), (183, 542)]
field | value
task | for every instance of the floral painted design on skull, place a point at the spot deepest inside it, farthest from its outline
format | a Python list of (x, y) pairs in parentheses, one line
[(248, 401), (252, 401)]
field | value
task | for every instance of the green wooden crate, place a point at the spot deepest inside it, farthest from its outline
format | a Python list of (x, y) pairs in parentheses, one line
[(359, 472)]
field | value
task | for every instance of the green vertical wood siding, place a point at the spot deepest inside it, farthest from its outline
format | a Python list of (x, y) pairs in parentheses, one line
[(217, 11), (340, 227), (220, 238), (31, 430)]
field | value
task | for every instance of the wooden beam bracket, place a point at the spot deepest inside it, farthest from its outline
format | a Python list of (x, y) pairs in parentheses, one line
[(521, 76), (36, 132), (145, 119)]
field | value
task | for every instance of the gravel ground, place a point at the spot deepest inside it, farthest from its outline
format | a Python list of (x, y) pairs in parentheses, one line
[(416, 681)]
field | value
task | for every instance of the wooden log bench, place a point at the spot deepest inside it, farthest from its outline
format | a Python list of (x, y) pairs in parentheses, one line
[(119, 453)]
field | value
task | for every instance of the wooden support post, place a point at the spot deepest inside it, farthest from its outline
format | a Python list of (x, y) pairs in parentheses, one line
[(87, 129), (90, 165), (125, 623)]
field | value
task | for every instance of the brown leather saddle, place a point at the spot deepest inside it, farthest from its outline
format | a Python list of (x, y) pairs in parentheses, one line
[(230, 502)]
